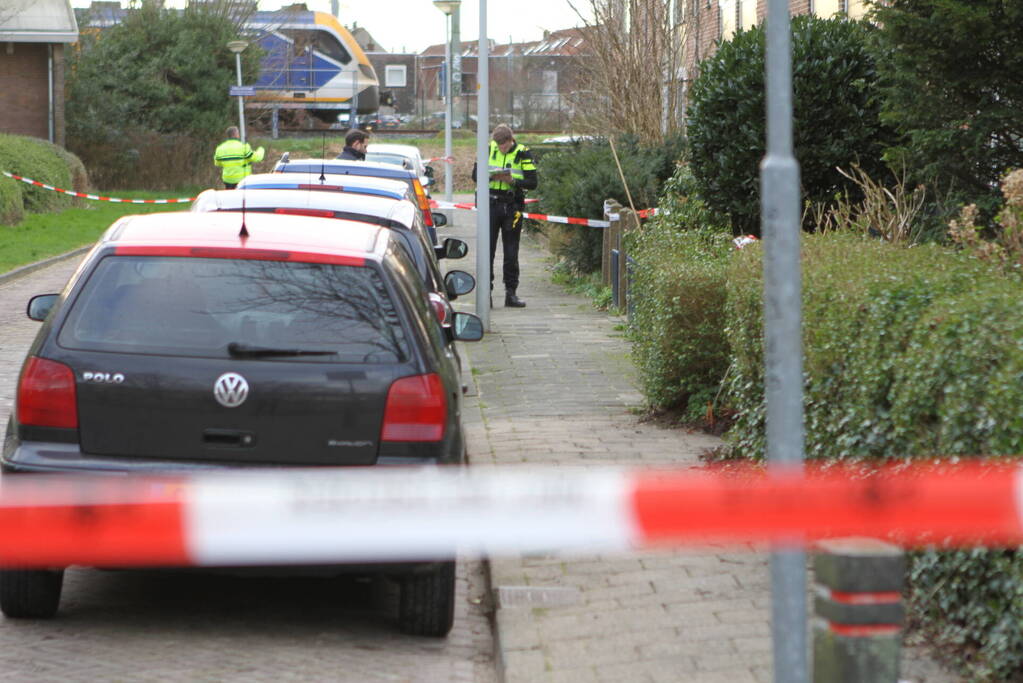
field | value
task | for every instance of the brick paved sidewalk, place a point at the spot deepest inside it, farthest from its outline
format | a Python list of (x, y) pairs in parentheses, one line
[(555, 386)]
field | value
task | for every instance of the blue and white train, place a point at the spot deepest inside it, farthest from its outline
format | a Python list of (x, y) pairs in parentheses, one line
[(311, 62)]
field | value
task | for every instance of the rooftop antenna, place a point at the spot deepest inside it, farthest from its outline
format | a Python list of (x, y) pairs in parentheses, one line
[(323, 160), (243, 233)]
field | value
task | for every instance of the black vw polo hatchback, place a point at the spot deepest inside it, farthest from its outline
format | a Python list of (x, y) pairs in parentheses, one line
[(221, 340)]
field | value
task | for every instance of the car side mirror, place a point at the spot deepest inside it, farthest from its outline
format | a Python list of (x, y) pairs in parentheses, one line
[(439, 220), (467, 327), (428, 171), (40, 306), (452, 248), (458, 282)]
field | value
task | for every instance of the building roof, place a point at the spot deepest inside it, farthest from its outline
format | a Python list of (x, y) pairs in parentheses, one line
[(563, 43), (37, 21)]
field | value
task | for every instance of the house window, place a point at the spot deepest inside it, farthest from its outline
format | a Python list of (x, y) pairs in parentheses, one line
[(727, 10), (857, 9), (395, 76), (747, 14), (827, 8)]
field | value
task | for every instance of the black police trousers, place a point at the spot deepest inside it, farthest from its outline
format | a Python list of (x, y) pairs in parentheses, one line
[(506, 220)]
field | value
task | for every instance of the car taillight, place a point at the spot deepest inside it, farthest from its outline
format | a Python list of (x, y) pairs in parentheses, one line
[(416, 410), (46, 395), (440, 307), (424, 202)]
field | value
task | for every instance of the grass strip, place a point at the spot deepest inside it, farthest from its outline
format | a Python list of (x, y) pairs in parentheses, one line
[(42, 235)]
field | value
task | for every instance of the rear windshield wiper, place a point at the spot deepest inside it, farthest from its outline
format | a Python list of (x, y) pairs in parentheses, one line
[(248, 351)]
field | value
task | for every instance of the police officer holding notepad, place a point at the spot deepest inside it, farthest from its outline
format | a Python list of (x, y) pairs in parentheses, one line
[(512, 172)]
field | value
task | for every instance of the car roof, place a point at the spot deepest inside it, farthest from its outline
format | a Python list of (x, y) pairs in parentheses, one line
[(410, 151), (400, 210), (350, 167), (396, 189), (265, 231)]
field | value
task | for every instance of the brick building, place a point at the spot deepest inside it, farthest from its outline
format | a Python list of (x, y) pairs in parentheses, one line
[(532, 84), (33, 38), (703, 22)]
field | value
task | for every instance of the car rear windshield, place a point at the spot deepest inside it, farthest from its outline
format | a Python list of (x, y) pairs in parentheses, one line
[(212, 307)]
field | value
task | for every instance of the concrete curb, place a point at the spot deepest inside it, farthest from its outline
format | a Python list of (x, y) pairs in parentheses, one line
[(22, 271)]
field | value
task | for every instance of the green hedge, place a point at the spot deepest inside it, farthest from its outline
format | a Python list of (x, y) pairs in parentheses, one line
[(42, 161), (907, 353), (678, 293), (575, 181)]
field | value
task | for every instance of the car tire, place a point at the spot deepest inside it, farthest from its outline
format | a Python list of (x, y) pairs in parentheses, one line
[(30, 593), (427, 603)]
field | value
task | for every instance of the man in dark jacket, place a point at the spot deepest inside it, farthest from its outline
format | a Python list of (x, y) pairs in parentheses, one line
[(511, 171), (355, 145)]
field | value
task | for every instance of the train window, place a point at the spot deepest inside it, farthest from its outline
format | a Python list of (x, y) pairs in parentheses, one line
[(320, 41)]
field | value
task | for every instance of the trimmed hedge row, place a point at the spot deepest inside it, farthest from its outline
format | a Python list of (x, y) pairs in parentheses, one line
[(908, 353), (42, 161)]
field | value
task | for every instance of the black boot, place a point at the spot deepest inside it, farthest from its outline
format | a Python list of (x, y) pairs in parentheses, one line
[(512, 301)]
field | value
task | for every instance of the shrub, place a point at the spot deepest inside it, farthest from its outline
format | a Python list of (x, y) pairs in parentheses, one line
[(677, 332), (907, 353), (146, 94), (576, 181), (42, 161), (836, 110), (11, 204), (950, 103)]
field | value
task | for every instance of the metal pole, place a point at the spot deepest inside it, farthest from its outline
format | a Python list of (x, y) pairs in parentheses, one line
[(456, 58), (779, 200), (483, 173), (448, 112), (241, 102)]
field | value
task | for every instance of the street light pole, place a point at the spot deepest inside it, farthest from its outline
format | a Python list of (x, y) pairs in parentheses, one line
[(447, 7), (237, 47)]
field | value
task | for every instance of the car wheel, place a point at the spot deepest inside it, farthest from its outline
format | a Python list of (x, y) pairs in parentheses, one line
[(30, 593), (427, 603)]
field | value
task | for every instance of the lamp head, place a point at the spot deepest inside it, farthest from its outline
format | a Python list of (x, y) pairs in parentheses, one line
[(447, 6), (237, 46)]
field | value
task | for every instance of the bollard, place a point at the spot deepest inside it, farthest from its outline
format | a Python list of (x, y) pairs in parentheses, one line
[(858, 611), (611, 213), (628, 223)]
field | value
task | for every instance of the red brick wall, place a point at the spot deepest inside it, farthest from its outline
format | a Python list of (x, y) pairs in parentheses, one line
[(24, 107)]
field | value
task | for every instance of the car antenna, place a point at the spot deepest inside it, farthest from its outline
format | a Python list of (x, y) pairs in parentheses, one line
[(323, 160), (243, 233)]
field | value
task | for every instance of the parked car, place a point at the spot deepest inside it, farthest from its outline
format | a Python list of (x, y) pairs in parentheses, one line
[(402, 215), (408, 156), (323, 167), (190, 341), (366, 185), (379, 121)]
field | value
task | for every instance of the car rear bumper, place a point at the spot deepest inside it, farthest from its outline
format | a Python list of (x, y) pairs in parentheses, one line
[(68, 458)]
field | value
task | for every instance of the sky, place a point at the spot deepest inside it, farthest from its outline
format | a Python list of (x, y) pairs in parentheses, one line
[(412, 25)]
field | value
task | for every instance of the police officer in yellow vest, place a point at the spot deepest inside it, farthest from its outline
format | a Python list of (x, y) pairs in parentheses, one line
[(512, 172), (236, 157)]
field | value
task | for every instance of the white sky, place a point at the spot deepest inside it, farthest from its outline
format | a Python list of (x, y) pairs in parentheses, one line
[(412, 25)]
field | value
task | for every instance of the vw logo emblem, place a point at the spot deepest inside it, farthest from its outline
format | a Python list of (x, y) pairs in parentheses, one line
[(230, 390)]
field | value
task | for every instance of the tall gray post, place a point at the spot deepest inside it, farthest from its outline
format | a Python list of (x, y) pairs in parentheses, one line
[(483, 173), (456, 60), (779, 200), (448, 112)]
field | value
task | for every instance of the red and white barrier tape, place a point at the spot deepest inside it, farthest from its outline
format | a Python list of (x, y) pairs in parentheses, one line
[(743, 240), (593, 223), (395, 514), (83, 195), (470, 206), (446, 160)]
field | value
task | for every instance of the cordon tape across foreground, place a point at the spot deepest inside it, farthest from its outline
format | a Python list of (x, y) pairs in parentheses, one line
[(306, 516)]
